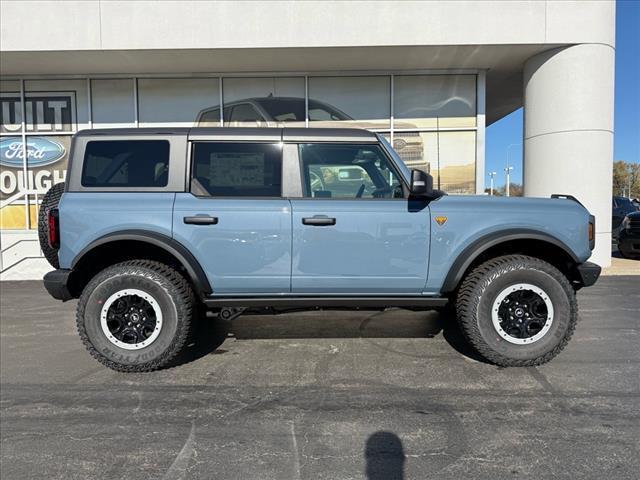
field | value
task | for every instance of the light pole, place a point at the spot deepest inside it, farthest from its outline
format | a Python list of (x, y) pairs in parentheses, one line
[(491, 175), (508, 171)]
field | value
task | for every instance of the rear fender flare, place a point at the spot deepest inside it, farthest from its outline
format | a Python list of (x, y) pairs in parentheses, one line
[(170, 245)]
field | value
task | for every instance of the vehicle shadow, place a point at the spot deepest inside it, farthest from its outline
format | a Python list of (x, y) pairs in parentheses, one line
[(210, 332), (385, 457), (208, 335)]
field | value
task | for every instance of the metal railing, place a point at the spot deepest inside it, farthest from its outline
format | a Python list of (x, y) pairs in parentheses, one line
[(36, 198)]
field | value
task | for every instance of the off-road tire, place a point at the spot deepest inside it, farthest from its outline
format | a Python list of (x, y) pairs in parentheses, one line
[(175, 299), (480, 289), (50, 200)]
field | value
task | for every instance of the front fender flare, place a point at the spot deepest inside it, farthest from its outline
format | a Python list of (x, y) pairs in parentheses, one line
[(482, 244)]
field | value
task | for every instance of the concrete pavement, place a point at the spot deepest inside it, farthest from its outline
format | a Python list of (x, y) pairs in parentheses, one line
[(321, 395)]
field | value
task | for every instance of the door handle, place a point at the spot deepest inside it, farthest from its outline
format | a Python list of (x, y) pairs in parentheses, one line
[(319, 221), (201, 220)]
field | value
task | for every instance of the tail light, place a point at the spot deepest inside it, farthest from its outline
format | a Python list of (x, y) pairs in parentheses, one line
[(53, 232), (592, 232)]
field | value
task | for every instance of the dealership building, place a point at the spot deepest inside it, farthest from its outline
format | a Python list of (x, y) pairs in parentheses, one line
[(431, 76)]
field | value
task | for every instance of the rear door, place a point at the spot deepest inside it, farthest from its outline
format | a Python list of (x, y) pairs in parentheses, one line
[(354, 230), (234, 219)]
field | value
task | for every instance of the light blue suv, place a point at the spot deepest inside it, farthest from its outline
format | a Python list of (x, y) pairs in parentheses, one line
[(153, 226)]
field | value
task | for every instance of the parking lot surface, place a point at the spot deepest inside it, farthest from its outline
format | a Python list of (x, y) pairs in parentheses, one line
[(321, 395)]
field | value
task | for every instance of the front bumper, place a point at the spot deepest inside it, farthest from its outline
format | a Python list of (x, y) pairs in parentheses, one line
[(589, 273), (58, 284)]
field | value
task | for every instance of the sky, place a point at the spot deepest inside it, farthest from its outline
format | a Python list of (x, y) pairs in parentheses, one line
[(508, 131)]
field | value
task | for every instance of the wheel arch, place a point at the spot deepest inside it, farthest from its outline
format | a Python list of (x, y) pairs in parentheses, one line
[(137, 244), (529, 242)]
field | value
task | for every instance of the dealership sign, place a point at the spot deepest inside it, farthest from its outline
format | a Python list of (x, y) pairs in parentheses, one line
[(40, 151), (49, 120), (46, 162), (46, 112)]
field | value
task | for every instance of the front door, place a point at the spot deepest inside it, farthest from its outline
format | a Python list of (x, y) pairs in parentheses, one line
[(234, 220), (354, 231)]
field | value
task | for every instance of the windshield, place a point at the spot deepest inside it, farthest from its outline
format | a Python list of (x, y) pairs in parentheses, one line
[(292, 109)]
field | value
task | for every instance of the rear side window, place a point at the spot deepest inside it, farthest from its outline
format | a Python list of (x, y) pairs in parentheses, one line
[(237, 169), (126, 163)]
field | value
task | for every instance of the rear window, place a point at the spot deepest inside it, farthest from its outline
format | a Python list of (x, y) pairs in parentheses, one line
[(237, 169), (126, 163)]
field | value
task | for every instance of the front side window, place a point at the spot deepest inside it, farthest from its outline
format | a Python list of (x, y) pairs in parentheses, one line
[(347, 171), (126, 163), (237, 169)]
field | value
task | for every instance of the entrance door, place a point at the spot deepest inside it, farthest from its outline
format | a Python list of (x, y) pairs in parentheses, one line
[(234, 220), (353, 232)]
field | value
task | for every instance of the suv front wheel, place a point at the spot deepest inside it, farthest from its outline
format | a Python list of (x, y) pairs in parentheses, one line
[(517, 310), (136, 316)]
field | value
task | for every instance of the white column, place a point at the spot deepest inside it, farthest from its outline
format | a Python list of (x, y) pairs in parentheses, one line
[(568, 131)]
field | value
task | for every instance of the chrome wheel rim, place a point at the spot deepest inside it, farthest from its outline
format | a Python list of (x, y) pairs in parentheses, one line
[(131, 319), (522, 313)]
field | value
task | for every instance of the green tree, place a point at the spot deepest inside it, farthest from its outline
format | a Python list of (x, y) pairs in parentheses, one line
[(515, 190), (626, 176)]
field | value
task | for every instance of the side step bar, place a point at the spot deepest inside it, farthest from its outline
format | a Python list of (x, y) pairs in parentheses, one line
[(320, 302)]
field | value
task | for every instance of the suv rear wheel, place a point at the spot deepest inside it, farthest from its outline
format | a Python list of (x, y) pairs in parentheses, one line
[(517, 310), (136, 316)]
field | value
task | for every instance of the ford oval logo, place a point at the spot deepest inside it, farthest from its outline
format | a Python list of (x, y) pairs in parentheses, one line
[(399, 144), (40, 152)]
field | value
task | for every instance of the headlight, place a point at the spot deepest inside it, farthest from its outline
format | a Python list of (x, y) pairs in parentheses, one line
[(626, 223)]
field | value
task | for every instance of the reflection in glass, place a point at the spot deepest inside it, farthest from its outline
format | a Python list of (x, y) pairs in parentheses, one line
[(168, 102), (434, 101), (361, 102), (449, 156), (417, 150), (112, 104), (457, 162), (261, 102), (347, 171)]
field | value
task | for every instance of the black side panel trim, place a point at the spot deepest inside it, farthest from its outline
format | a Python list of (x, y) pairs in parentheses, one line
[(184, 256), (469, 254), (310, 302)]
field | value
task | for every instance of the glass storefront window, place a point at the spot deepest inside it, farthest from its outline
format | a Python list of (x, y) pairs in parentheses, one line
[(173, 102), (457, 162), (11, 111), (54, 110), (56, 107), (112, 104), (434, 101), (359, 102), (450, 157)]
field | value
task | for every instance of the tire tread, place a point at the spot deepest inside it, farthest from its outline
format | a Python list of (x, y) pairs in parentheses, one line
[(50, 200), (181, 292), (469, 297)]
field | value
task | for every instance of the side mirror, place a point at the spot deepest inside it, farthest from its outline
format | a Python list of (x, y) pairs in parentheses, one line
[(421, 184)]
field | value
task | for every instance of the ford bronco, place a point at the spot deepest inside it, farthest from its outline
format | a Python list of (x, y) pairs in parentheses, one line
[(154, 226)]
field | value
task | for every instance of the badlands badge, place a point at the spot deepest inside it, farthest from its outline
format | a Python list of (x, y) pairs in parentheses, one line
[(441, 220)]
